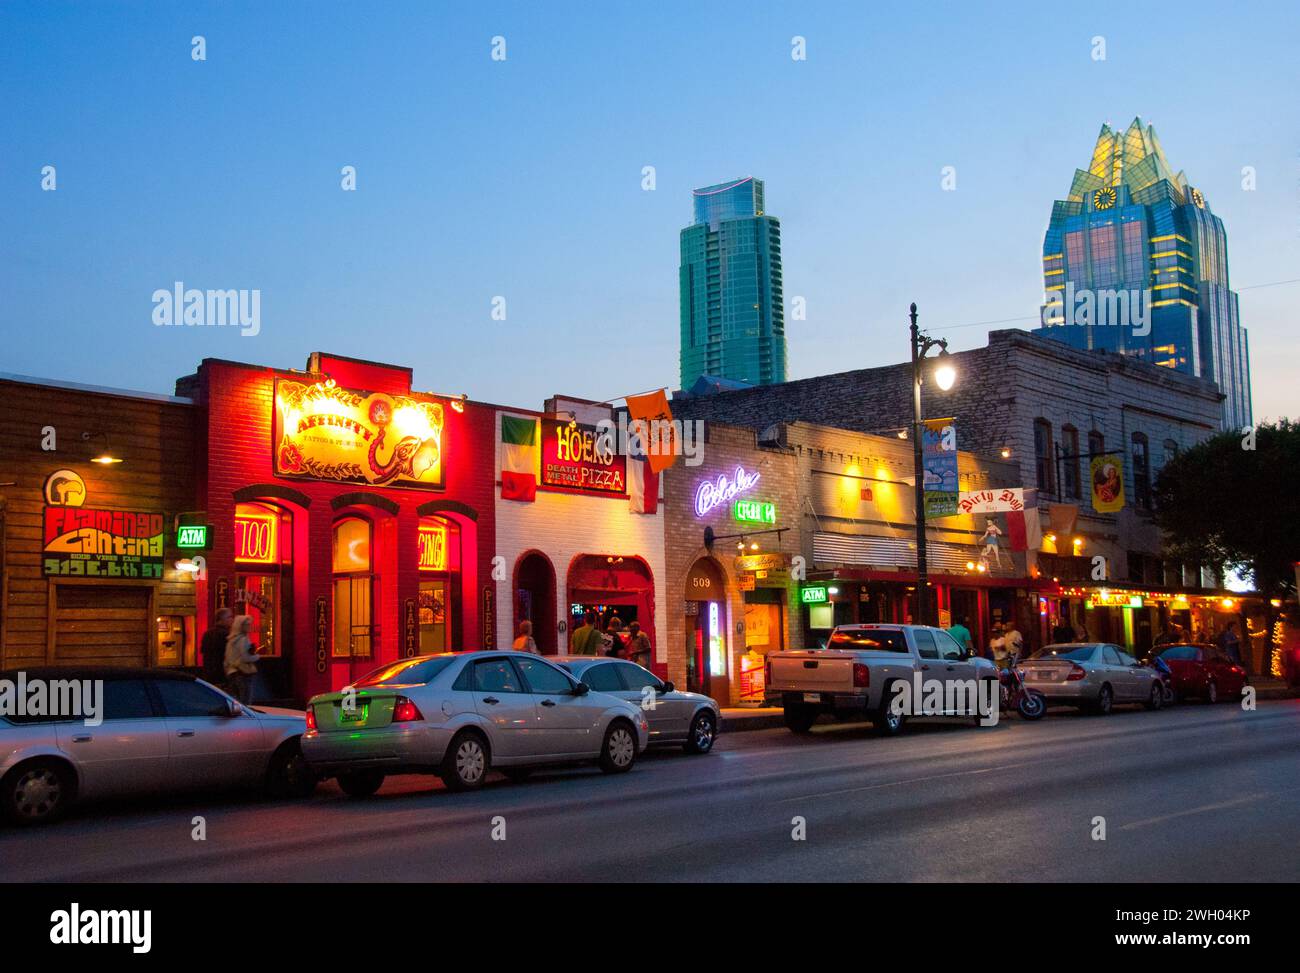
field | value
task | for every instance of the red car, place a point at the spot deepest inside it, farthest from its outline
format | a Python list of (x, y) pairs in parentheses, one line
[(1204, 671)]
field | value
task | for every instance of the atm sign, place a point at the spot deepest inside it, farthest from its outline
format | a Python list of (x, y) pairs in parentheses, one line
[(192, 536)]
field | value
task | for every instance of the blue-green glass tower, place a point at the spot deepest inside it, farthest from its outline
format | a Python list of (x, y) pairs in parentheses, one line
[(732, 306), (1135, 262)]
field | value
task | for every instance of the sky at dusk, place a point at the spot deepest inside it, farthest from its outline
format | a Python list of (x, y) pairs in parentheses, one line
[(522, 178)]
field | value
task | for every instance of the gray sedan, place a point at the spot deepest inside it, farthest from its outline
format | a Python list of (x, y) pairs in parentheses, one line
[(1091, 675), (690, 720), (121, 732), (459, 715)]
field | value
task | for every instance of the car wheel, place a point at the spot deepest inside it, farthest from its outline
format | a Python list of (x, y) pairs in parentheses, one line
[(618, 752), (1211, 692), (361, 783), (799, 718), (37, 792), (466, 764), (517, 775), (1157, 699), (888, 721), (290, 776), (703, 732), (1105, 700)]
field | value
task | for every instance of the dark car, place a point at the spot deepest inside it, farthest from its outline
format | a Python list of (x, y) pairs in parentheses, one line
[(1204, 672)]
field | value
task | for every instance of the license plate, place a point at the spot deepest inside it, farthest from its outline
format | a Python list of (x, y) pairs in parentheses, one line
[(354, 715), (812, 697)]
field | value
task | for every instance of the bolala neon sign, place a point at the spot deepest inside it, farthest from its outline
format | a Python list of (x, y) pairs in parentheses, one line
[(724, 489)]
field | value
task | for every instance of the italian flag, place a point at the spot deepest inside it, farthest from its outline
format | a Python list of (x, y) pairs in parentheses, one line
[(519, 457)]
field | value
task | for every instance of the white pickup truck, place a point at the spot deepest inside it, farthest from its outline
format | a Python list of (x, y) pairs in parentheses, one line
[(860, 671)]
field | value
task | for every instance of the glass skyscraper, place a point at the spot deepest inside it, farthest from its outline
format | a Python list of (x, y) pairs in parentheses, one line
[(732, 306), (1136, 262)]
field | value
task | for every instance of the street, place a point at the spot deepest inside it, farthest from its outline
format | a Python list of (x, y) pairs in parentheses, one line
[(1192, 794)]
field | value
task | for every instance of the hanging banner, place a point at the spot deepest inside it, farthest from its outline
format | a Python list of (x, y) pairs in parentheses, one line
[(324, 432), (1107, 475), (653, 420), (939, 460)]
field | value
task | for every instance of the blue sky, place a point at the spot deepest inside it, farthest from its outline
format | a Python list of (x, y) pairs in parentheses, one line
[(478, 178)]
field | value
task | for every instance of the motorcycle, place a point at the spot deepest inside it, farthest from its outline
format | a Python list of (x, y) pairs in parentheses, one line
[(1014, 695), (1166, 677)]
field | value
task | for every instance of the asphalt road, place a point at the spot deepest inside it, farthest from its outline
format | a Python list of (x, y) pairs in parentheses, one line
[(1195, 794)]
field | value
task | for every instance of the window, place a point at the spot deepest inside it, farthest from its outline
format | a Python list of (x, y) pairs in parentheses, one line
[(353, 588), (180, 697), (1110, 655), (127, 699), (1171, 451), (1180, 653), (1043, 455), (542, 677), (1141, 473), (855, 638), (948, 647), (925, 646), (636, 678), (602, 678), (496, 676), (1070, 462), (1096, 444), (406, 672)]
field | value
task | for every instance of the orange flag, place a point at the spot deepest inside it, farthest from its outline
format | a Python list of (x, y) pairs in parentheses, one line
[(658, 434)]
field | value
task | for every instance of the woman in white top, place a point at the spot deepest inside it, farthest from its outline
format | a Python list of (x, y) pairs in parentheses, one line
[(241, 660)]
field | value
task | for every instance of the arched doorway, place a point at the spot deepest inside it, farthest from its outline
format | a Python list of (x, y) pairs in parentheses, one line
[(534, 599), (706, 629), (612, 585)]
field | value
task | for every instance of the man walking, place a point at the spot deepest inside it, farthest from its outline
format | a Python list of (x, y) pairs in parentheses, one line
[(212, 650)]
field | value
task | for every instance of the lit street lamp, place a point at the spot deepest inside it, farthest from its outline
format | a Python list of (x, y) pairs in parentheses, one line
[(944, 376)]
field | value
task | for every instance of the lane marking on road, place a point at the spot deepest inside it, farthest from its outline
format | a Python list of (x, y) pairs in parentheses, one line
[(1146, 822), (915, 780)]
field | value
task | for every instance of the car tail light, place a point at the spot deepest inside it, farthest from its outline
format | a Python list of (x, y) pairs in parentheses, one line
[(311, 717), (861, 675), (1077, 672), (406, 711)]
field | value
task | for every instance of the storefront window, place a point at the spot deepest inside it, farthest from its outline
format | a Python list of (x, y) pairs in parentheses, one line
[(353, 588), (263, 547), (439, 562)]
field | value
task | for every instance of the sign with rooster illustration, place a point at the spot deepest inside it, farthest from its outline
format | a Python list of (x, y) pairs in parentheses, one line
[(325, 432)]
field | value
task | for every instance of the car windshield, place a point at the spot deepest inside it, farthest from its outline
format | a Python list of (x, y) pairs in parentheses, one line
[(1072, 653), (1179, 653), (870, 638), (407, 671)]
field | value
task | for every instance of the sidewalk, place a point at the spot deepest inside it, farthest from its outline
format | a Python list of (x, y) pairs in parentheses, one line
[(738, 719)]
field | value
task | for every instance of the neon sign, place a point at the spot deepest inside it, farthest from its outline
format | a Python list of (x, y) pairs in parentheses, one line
[(433, 548), (255, 537), (712, 493), (814, 594), (754, 511)]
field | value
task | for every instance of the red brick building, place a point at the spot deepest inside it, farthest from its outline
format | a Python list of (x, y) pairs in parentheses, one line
[(350, 516)]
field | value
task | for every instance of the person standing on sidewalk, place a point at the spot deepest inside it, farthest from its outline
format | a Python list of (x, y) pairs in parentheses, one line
[(525, 642), (212, 649), (241, 660), (638, 645), (586, 637)]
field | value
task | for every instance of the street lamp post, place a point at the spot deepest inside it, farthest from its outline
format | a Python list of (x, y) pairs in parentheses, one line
[(944, 378)]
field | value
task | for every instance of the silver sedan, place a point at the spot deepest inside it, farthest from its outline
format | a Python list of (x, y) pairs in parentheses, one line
[(459, 715), (690, 720), (121, 732), (1091, 675)]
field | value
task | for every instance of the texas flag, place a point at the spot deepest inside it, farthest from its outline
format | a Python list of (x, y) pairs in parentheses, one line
[(520, 452)]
